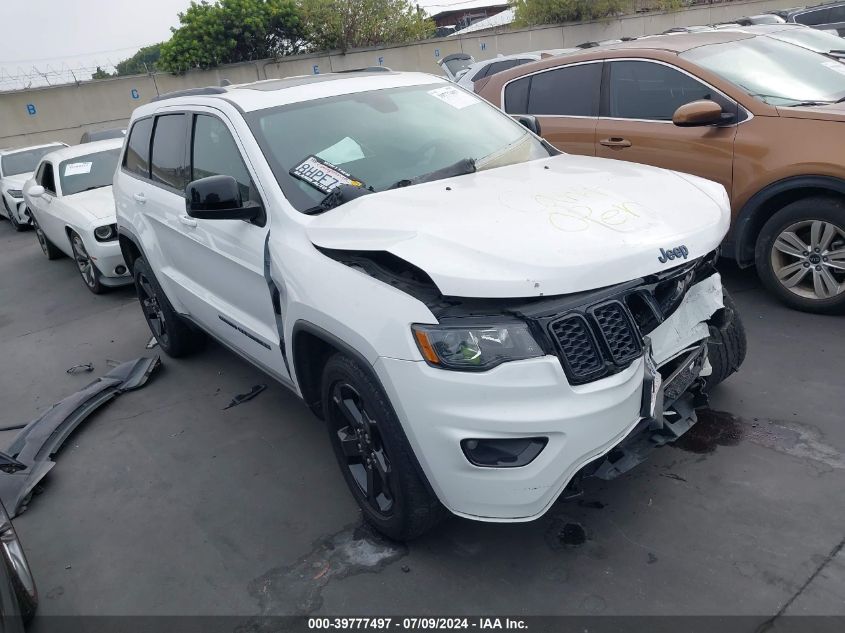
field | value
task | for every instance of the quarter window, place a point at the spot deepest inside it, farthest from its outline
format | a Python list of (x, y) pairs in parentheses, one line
[(137, 158), (169, 164), (644, 90), (812, 18), (214, 153), (47, 180)]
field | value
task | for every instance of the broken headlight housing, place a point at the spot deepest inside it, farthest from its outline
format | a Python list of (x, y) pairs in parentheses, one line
[(475, 348)]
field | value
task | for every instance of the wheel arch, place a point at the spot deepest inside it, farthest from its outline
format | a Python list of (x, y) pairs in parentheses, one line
[(766, 202), (130, 247)]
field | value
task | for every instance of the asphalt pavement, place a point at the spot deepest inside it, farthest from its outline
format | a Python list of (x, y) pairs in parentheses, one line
[(166, 503)]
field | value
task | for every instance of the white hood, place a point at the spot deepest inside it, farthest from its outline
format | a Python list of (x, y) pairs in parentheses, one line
[(97, 203), (554, 226), (15, 182)]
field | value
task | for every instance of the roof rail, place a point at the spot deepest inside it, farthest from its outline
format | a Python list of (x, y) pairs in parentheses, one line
[(368, 69), (190, 92)]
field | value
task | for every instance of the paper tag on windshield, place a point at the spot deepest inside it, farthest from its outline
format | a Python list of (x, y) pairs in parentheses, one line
[(837, 66), (455, 97), (75, 169), (322, 175)]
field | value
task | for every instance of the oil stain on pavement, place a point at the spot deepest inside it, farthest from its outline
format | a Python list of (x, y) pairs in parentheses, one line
[(718, 428), (297, 589)]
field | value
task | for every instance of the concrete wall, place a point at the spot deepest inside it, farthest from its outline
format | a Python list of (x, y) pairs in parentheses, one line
[(63, 113)]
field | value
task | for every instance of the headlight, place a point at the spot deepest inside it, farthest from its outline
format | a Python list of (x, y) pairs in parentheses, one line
[(15, 193), (105, 233), (475, 348)]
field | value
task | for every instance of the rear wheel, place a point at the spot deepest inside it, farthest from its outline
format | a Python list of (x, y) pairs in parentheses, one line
[(373, 454), (175, 335), (800, 255), (87, 269), (47, 246)]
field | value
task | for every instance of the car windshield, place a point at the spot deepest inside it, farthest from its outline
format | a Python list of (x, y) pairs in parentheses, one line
[(24, 162), (775, 72), (386, 138), (813, 39), (90, 171)]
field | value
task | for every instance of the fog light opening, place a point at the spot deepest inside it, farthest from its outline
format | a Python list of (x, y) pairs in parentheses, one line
[(503, 453), (120, 270)]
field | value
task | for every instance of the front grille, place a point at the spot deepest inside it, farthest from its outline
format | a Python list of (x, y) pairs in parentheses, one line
[(618, 332), (578, 348)]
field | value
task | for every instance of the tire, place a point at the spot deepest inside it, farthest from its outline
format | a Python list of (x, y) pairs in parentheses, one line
[(20, 575), (727, 344), (176, 336), (20, 228), (87, 269), (401, 505), (804, 244), (47, 246)]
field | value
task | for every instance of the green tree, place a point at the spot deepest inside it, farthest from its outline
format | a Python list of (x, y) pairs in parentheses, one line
[(344, 24), (141, 62), (230, 31), (101, 74), (531, 12)]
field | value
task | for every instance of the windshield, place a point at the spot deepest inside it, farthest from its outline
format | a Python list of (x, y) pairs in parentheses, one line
[(775, 72), (91, 171), (813, 39), (385, 138), (24, 162)]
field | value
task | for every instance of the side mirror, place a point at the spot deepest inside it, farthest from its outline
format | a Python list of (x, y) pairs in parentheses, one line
[(700, 113), (219, 198), (36, 191), (530, 122)]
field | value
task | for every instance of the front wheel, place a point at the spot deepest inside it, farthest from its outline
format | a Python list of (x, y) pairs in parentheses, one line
[(49, 249), (87, 269), (800, 255), (175, 335), (374, 456), (727, 344)]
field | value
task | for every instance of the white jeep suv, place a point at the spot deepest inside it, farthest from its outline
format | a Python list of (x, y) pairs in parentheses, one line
[(480, 320)]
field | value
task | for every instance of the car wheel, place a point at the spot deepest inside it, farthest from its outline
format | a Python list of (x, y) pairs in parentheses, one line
[(800, 255), (18, 570), (727, 344), (374, 456), (14, 221), (85, 265), (175, 335), (47, 246)]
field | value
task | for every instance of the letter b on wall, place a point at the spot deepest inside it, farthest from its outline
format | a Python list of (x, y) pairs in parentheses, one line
[(30, 109)]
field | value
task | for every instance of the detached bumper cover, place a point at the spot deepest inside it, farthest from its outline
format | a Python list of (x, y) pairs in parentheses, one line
[(30, 456)]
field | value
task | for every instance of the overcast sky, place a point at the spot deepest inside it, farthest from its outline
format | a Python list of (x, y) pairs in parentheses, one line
[(86, 33)]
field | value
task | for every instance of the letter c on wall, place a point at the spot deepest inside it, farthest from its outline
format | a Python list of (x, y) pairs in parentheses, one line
[(134, 93)]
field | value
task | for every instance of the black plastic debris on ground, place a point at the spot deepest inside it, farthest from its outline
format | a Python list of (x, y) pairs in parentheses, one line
[(245, 397), (78, 369), (30, 455)]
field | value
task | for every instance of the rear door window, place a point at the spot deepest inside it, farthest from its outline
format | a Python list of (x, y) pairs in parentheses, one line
[(652, 92), (137, 158), (812, 18), (567, 91), (169, 156)]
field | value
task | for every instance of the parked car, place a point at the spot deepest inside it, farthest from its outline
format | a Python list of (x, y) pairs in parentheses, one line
[(479, 320), (16, 167), (488, 67), (72, 207), (18, 595), (765, 18), (828, 17), (455, 65), (102, 135), (803, 36), (758, 115)]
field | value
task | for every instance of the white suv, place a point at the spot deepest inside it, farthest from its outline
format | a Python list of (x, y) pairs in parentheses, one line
[(480, 321)]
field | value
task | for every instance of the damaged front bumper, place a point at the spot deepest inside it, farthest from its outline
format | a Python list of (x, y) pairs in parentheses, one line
[(598, 418), (30, 456)]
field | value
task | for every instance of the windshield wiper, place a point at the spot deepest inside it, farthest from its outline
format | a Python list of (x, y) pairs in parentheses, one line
[(336, 197), (460, 168), (810, 103)]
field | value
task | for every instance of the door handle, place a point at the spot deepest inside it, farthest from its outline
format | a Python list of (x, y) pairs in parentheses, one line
[(615, 141), (187, 220), (139, 198)]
